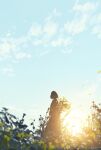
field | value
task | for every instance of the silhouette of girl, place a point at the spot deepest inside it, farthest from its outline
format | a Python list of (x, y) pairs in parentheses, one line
[(53, 125)]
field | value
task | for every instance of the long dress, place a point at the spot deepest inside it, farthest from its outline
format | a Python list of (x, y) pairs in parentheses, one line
[(53, 125)]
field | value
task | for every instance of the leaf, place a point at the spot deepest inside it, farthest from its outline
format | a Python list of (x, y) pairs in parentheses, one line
[(99, 71)]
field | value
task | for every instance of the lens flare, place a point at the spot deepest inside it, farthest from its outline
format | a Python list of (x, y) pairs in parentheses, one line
[(74, 121)]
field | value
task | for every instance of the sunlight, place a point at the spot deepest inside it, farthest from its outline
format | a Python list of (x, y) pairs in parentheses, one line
[(74, 121)]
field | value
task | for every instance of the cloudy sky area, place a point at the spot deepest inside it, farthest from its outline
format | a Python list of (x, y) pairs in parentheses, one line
[(49, 45)]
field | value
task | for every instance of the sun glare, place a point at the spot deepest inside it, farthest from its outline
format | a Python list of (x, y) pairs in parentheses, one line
[(74, 121)]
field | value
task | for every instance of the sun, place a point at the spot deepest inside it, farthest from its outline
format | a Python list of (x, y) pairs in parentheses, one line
[(74, 121)]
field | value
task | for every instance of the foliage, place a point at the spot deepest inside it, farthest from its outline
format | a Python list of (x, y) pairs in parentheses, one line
[(93, 129), (16, 135)]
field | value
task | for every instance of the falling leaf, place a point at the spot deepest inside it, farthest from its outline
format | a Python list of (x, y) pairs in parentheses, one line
[(99, 71)]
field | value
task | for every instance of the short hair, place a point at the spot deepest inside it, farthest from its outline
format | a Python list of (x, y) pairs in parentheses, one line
[(53, 95)]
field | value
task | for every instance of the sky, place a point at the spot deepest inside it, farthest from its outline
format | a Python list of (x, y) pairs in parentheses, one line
[(49, 45)]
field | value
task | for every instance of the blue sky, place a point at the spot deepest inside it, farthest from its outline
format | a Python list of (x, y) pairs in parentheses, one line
[(49, 45)]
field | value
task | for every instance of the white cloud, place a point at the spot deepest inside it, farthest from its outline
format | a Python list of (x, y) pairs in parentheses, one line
[(6, 47), (12, 48), (64, 42), (54, 42), (50, 28), (84, 7), (50, 33), (76, 26), (35, 30), (82, 17), (97, 18), (9, 71), (97, 30), (37, 42), (22, 55), (41, 42)]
